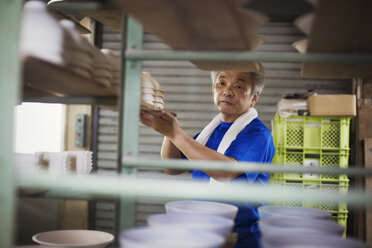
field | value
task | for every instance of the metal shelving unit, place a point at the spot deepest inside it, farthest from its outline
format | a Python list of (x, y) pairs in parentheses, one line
[(127, 186)]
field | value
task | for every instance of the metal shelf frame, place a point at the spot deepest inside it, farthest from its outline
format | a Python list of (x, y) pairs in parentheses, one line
[(127, 186)]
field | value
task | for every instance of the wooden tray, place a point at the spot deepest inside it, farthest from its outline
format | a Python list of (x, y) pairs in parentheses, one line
[(342, 27), (41, 78), (208, 25)]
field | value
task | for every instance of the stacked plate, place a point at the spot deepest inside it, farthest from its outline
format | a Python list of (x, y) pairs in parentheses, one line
[(198, 224), (288, 226), (101, 68), (152, 94), (114, 67)]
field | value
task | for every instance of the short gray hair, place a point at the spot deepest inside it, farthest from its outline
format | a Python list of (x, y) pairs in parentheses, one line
[(257, 78)]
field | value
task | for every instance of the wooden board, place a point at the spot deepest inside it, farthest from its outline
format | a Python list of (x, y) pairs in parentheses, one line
[(365, 122), (41, 78), (368, 164), (109, 18), (209, 25), (342, 27)]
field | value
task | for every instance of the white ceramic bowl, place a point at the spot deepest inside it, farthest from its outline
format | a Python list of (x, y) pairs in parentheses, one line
[(306, 240), (147, 97), (162, 237), (202, 207), (74, 238), (146, 80), (215, 224), (147, 90), (278, 224), (271, 211)]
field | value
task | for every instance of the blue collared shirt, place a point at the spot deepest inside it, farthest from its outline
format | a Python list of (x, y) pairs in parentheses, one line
[(253, 144)]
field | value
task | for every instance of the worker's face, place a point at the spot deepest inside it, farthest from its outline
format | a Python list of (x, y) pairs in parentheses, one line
[(232, 94)]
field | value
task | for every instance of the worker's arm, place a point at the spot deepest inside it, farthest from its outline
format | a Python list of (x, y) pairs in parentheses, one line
[(168, 125), (170, 151)]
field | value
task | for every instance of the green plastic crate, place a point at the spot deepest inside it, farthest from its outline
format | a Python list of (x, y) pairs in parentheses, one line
[(312, 157), (341, 218), (311, 132), (323, 186)]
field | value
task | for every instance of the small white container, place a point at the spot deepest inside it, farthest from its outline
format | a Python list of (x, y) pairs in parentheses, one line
[(74, 238), (162, 237), (202, 207), (215, 224), (270, 211)]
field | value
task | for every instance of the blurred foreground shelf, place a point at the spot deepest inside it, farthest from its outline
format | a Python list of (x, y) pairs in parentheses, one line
[(209, 25), (43, 80), (345, 29)]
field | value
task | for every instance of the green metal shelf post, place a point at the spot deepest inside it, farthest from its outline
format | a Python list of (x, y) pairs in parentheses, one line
[(9, 95), (130, 102)]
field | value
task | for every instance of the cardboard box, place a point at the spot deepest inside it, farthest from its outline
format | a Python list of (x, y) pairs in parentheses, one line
[(332, 105)]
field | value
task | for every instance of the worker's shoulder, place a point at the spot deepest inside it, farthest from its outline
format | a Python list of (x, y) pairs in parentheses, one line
[(256, 127)]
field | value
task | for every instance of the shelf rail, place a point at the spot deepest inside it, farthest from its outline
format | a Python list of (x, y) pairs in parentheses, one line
[(134, 54), (128, 186), (136, 162), (9, 94)]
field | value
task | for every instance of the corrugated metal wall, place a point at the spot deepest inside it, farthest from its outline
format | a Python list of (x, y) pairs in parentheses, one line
[(188, 93)]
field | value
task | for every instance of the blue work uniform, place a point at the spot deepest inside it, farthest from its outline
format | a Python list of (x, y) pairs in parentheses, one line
[(253, 144)]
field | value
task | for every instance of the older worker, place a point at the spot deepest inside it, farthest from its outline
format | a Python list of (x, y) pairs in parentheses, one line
[(235, 134)]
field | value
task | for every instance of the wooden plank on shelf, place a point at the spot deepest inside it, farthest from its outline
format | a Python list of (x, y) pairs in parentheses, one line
[(365, 122), (214, 25), (109, 18), (336, 71), (45, 79), (342, 27), (368, 164)]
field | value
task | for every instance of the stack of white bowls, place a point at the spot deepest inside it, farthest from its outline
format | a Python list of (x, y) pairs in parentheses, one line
[(288, 226), (152, 94), (198, 224), (41, 36)]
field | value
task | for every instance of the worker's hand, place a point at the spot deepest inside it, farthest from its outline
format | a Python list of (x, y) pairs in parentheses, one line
[(161, 121)]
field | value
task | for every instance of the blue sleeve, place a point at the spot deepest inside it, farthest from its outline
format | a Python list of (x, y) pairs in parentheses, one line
[(256, 146)]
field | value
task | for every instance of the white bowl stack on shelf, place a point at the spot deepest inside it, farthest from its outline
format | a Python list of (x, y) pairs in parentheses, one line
[(152, 94), (288, 226), (200, 224), (41, 36), (169, 237), (79, 56), (60, 43)]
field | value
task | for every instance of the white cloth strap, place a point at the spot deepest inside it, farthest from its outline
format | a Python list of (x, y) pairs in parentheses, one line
[(238, 125)]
